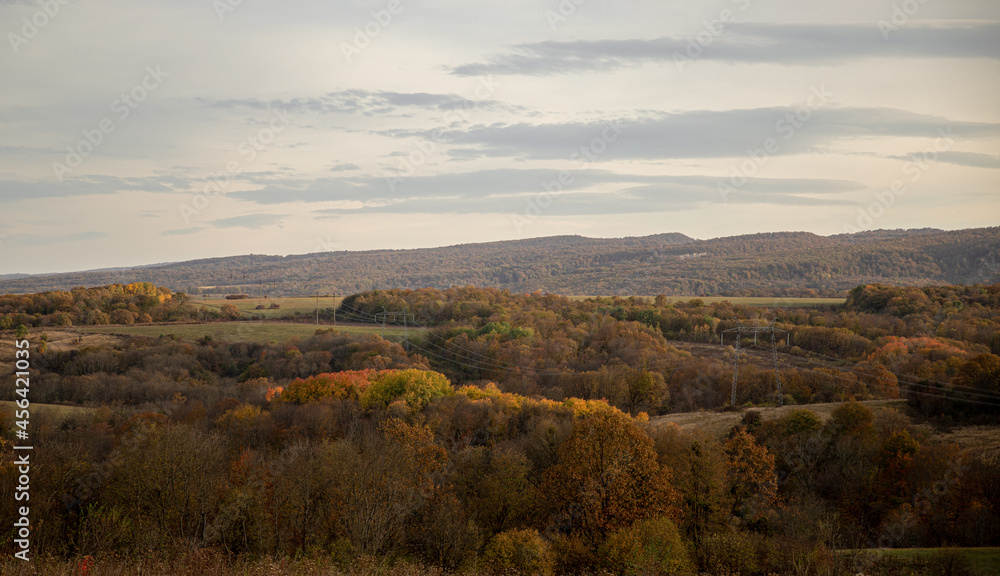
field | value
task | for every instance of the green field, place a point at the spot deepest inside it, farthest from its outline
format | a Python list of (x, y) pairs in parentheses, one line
[(763, 301), (983, 560), (288, 306), (56, 411), (242, 331)]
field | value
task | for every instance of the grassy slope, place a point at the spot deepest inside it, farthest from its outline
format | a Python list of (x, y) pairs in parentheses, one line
[(56, 411), (289, 306), (719, 423), (985, 560), (239, 331)]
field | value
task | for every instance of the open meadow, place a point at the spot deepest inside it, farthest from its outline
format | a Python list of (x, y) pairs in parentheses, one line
[(246, 331), (287, 307), (719, 423)]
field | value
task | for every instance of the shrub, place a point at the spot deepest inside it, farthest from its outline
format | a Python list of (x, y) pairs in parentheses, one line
[(414, 387), (650, 547), (571, 555), (729, 553), (122, 316), (346, 385), (518, 552)]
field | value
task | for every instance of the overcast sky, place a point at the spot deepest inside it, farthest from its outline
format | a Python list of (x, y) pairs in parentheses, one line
[(135, 132)]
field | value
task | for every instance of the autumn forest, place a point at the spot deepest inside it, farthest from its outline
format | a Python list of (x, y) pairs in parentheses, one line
[(514, 433)]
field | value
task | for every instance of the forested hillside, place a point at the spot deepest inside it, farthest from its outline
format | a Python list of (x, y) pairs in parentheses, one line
[(782, 264), (515, 437)]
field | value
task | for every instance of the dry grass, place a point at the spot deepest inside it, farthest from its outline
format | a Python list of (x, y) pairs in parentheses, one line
[(720, 423), (976, 438), (55, 412), (985, 561), (289, 306), (241, 331)]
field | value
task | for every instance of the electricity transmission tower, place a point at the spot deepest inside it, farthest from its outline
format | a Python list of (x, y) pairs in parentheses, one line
[(756, 330), (394, 317)]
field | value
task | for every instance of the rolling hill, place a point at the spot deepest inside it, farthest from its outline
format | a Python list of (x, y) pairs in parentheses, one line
[(785, 263)]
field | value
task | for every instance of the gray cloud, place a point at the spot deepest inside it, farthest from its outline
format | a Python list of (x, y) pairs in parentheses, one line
[(637, 200), (509, 191), (971, 159), (181, 231), (14, 190), (344, 166), (789, 44), (705, 134), (251, 221), (364, 102)]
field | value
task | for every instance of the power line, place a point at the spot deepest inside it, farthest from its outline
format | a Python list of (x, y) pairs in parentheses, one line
[(741, 329), (491, 363)]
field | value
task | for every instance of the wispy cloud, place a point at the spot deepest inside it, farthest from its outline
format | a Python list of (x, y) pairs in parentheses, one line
[(364, 102), (181, 231), (970, 159), (505, 190), (708, 134), (344, 167), (251, 221), (787, 44), (15, 190)]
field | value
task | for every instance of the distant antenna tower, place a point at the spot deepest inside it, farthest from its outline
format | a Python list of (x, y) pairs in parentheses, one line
[(742, 329)]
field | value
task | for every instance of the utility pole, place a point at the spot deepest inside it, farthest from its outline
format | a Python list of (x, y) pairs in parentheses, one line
[(395, 316), (777, 375), (769, 329), (736, 365), (317, 308)]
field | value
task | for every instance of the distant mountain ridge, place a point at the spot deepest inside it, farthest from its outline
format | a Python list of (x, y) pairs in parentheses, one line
[(778, 263)]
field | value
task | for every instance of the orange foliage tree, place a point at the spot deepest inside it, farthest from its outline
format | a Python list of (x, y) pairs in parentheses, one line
[(607, 476), (753, 484)]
